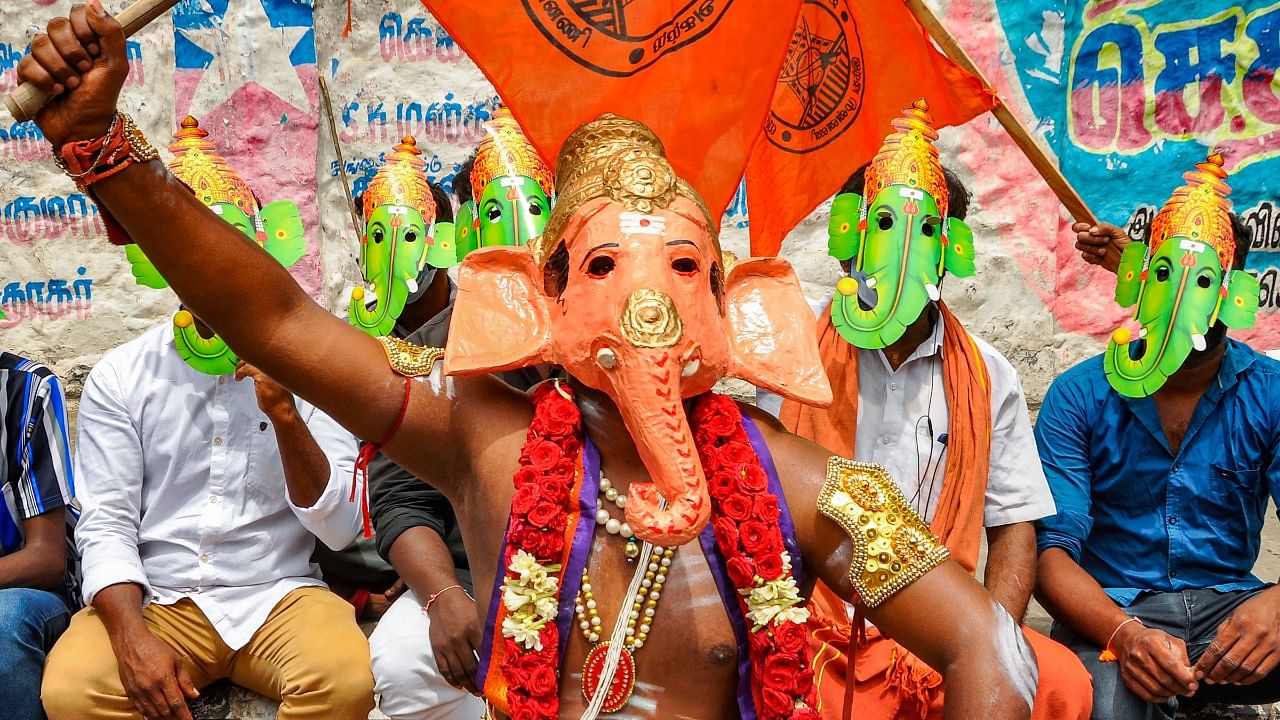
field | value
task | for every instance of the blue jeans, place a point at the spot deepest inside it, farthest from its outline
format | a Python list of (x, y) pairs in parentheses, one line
[(1192, 615), (30, 622)]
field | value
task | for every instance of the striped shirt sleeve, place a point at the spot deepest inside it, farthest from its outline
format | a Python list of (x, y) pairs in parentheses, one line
[(42, 452)]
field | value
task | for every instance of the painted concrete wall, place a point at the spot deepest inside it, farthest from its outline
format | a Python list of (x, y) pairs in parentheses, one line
[(248, 69)]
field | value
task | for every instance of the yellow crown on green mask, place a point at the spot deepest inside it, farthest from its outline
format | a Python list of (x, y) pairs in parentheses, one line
[(402, 181), (909, 157), (1199, 211), (198, 165)]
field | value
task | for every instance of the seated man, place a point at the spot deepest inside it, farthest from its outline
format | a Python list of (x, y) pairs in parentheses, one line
[(425, 648), (200, 495), (37, 559), (1161, 454), (679, 529), (940, 408)]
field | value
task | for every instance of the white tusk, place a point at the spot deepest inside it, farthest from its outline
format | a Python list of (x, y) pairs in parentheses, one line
[(691, 367), (870, 283), (607, 358), (1142, 333), (1197, 342), (932, 290), (412, 284)]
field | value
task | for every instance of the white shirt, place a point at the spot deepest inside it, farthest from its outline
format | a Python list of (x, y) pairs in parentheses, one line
[(183, 489), (904, 424)]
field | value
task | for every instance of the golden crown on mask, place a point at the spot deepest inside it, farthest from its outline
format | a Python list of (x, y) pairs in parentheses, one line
[(620, 159), (1200, 211), (506, 151), (198, 165), (402, 181), (909, 157)]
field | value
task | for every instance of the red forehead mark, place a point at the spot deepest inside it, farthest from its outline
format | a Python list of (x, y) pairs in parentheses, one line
[(644, 222), (512, 194), (396, 221), (1188, 259), (911, 208)]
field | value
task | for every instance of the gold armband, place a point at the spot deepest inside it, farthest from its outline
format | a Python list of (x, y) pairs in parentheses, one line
[(892, 546), (408, 359)]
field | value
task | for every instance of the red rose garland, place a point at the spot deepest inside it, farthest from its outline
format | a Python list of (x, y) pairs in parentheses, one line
[(745, 522), (539, 512)]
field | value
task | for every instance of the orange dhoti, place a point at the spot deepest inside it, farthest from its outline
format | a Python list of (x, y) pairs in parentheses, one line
[(892, 683)]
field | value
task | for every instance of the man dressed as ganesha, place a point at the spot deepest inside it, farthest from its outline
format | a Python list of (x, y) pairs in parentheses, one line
[(702, 614)]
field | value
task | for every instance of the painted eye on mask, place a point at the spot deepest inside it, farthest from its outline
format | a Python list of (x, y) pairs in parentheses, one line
[(885, 222), (1205, 280), (535, 208), (379, 235), (1162, 273), (494, 214), (685, 266), (600, 266), (411, 236)]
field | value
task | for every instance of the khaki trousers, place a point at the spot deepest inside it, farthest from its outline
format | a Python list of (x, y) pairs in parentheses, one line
[(310, 654)]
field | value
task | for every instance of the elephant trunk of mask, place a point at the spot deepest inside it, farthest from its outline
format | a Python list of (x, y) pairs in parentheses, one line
[(646, 376), (381, 320)]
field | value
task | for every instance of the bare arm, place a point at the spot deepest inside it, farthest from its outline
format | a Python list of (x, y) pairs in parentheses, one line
[(306, 469), (945, 617), (1153, 663), (215, 269), (154, 676), (1011, 566), (422, 560), (42, 561)]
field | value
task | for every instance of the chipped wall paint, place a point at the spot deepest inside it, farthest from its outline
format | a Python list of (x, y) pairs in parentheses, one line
[(249, 69)]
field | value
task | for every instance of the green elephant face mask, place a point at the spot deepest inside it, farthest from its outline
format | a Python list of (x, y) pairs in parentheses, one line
[(1179, 293), (465, 234), (392, 256), (281, 236), (512, 210), (900, 246)]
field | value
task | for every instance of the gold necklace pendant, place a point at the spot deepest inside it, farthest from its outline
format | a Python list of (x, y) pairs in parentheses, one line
[(618, 694)]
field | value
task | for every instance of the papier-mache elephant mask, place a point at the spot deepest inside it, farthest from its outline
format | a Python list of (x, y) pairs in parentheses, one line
[(276, 227), (511, 186), (628, 291), (898, 236), (1180, 285), (402, 244)]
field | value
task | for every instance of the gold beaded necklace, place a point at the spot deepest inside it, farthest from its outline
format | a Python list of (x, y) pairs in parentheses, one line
[(644, 607)]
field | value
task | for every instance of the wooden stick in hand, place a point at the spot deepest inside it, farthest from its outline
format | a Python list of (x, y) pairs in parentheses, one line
[(27, 100)]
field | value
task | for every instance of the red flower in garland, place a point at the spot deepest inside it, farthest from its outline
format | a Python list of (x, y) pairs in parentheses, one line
[(745, 525)]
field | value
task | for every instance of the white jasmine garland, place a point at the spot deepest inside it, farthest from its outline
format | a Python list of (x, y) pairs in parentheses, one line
[(530, 598), (774, 602)]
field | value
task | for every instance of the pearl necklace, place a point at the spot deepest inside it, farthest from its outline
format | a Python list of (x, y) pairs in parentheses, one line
[(612, 525), (644, 607)]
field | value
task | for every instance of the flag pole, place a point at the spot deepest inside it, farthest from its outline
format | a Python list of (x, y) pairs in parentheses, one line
[(337, 151), (1045, 165)]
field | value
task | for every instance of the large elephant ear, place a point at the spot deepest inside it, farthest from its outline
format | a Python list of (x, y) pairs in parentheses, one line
[(443, 251), (843, 235), (773, 334), (957, 255), (143, 271), (501, 319), (1240, 306), (286, 240), (1129, 274)]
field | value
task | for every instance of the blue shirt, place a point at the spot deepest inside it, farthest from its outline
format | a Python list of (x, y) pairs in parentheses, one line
[(1137, 516)]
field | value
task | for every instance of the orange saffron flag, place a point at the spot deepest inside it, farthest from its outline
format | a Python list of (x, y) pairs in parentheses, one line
[(700, 73), (851, 68)]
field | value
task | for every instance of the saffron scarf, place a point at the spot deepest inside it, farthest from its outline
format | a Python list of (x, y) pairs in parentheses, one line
[(958, 520)]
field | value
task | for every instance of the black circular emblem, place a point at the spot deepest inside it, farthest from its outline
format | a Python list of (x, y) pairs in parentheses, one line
[(822, 83), (622, 37)]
